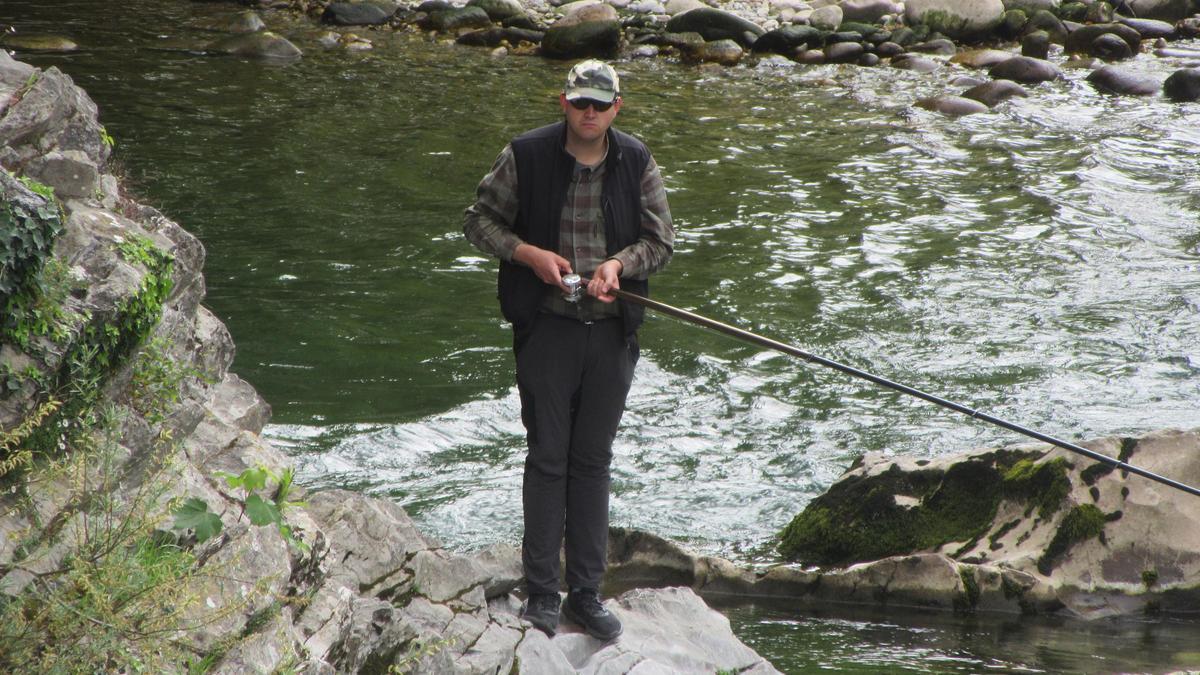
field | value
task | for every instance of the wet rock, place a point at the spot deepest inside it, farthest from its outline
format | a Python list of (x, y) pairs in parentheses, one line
[(843, 52), (904, 36), (827, 18), (868, 60), (980, 58), (1080, 40), (1188, 28), (715, 24), (725, 52), (355, 14), (1025, 70), (1150, 29), (1113, 80), (811, 56), (1036, 45), (1110, 48), (1183, 85), (260, 45), (889, 49), (966, 81), (243, 22), (995, 92), (1031, 6), (1012, 23), (592, 31), (1052, 25), (960, 19), (1099, 12), (843, 36), (786, 39), (675, 7), (952, 105), (494, 37), (941, 47), (456, 19), (1163, 10), (38, 43), (499, 10), (919, 64), (868, 11)]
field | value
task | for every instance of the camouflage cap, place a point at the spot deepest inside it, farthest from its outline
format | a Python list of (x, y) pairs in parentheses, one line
[(592, 79)]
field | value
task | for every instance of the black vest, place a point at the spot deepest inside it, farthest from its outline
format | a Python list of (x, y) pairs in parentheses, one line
[(544, 171)]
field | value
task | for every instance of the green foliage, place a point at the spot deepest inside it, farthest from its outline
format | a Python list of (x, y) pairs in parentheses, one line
[(195, 514), (156, 380), (418, 651), (27, 234), (106, 138), (1149, 578), (1043, 485)]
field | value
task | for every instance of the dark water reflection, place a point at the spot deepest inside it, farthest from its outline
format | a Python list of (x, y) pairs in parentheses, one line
[(1041, 263)]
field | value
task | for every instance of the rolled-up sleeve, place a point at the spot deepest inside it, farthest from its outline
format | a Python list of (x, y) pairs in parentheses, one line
[(652, 251), (488, 222)]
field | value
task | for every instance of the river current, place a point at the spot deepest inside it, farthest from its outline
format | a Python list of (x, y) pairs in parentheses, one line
[(1040, 262)]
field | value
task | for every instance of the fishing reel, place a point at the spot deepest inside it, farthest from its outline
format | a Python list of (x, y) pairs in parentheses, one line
[(574, 285)]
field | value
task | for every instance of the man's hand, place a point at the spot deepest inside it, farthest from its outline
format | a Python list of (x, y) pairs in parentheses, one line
[(606, 277), (547, 265)]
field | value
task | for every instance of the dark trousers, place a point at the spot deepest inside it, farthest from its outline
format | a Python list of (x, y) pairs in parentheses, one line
[(573, 378)]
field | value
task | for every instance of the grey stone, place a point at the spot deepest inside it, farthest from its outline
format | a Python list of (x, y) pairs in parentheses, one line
[(869, 11), (591, 31), (786, 39), (843, 52), (956, 18), (952, 105), (499, 10), (1109, 47), (826, 18), (1113, 80), (716, 24), (1025, 70), (1163, 10), (355, 14), (260, 45), (919, 64), (1150, 29), (995, 92), (980, 58), (1036, 45), (1080, 40), (725, 52), (1183, 85)]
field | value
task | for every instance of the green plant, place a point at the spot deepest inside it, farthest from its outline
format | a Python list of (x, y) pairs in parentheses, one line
[(156, 378), (28, 228), (195, 514), (106, 138), (418, 651)]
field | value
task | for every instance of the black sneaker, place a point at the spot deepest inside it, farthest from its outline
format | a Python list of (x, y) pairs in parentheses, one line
[(584, 608), (541, 610)]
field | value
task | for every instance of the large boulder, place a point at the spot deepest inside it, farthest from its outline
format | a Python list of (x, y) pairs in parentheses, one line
[(961, 19), (591, 31), (1163, 10), (716, 24), (1183, 85), (1113, 80)]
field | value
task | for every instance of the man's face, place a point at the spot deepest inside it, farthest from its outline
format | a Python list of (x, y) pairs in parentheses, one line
[(589, 124)]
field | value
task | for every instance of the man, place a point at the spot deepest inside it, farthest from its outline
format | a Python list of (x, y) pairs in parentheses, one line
[(576, 196)]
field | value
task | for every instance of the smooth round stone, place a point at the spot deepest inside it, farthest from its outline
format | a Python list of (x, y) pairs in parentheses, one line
[(952, 105), (39, 43), (1025, 69), (1183, 85), (1114, 80), (995, 92)]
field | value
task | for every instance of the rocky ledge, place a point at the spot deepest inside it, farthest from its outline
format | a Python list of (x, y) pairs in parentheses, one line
[(139, 497)]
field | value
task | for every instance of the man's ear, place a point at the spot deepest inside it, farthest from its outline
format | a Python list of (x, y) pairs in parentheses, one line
[(562, 100), (617, 103)]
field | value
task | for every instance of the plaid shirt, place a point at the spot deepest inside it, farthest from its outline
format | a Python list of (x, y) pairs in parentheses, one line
[(581, 240)]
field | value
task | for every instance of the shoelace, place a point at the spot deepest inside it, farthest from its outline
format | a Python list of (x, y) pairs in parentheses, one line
[(590, 603)]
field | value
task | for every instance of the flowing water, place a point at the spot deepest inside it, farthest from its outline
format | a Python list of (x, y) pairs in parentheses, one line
[(1040, 263)]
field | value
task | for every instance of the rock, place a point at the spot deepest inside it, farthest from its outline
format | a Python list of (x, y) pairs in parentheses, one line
[(1150, 29), (715, 24), (1025, 70), (960, 19), (1052, 25), (980, 58), (71, 172), (810, 56), (355, 14), (1183, 85), (787, 39), (499, 10), (826, 18), (995, 92), (1036, 45), (1098, 12), (38, 43), (952, 105), (261, 45), (887, 50), (915, 63), (1163, 10), (243, 22), (1031, 6), (1012, 23), (1109, 47), (868, 60), (941, 47), (868, 11), (675, 7), (843, 52), (493, 37), (456, 19), (1080, 40), (1113, 80), (725, 52), (593, 31)]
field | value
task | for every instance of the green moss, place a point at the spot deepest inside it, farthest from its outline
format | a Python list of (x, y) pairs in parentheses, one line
[(1082, 523), (1149, 578), (858, 518), (1094, 472), (1128, 446), (1004, 529), (1043, 486), (970, 589)]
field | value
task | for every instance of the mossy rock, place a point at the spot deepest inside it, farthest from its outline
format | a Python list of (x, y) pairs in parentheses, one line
[(1082, 523)]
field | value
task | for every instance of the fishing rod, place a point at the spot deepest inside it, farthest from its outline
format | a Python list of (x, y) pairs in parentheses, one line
[(791, 350)]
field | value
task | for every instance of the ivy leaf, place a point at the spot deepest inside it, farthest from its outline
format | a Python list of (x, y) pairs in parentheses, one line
[(262, 512), (194, 515)]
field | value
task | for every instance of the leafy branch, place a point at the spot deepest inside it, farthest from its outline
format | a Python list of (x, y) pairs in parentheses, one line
[(194, 514)]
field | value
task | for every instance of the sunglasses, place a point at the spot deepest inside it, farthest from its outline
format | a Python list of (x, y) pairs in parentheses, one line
[(583, 103)]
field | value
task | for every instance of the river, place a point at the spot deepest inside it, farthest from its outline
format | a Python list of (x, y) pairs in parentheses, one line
[(1040, 263)]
